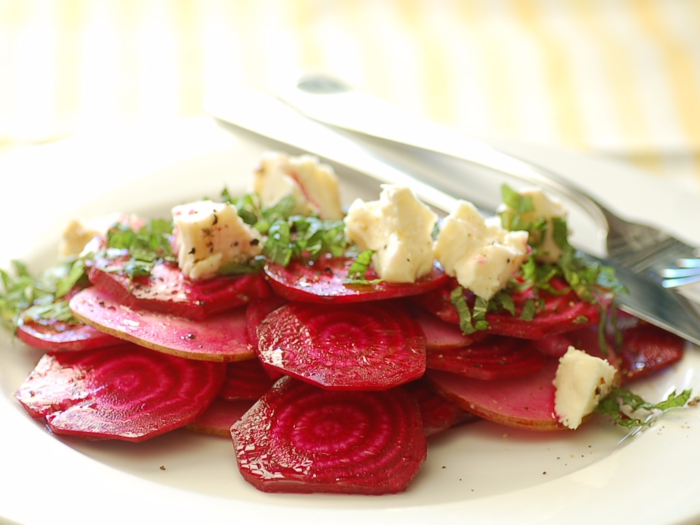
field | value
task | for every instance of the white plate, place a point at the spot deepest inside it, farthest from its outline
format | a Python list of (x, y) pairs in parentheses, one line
[(480, 473)]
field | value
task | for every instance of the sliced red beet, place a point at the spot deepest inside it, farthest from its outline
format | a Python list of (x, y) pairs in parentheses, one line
[(324, 281), (57, 336), (440, 335), (496, 357), (561, 312), (121, 392), (222, 337), (527, 402), (168, 291), (437, 413), (647, 349), (369, 346), (245, 380), (299, 438), (259, 310), (218, 418)]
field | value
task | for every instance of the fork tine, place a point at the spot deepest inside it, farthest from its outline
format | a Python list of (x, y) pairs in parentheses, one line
[(680, 272), (688, 263), (680, 281)]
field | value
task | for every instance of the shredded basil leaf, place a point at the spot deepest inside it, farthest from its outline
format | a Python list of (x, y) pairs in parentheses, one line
[(358, 269), (612, 405), (24, 296)]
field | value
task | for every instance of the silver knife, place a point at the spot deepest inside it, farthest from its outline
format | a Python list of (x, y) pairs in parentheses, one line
[(269, 118)]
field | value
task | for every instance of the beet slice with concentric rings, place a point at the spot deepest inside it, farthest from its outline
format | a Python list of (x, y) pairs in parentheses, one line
[(222, 337), (301, 439), (58, 336), (167, 290), (496, 357), (121, 392), (245, 380), (325, 280), (561, 313), (368, 346), (526, 402)]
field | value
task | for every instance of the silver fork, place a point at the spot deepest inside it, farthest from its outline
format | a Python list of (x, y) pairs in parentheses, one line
[(642, 248)]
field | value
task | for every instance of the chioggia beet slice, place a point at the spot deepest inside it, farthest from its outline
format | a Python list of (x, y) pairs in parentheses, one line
[(121, 392), (58, 336), (368, 346), (495, 357), (222, 337), (168, 291), (245, 380), (561, 313), (303, 439), (527, 402), (325, 280), (218, 418)]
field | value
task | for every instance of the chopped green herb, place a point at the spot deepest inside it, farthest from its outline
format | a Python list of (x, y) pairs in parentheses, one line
[(145, 246), (304, 238), (358, 269), (614, 402), (254, 265), (29, 297), (469, 321)]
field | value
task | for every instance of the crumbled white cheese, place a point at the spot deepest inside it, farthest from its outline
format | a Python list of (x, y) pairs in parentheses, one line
[(78, 234), (398, 227), (581, 381), (477, 251), (545, 206), (313, 186), (209, 235)]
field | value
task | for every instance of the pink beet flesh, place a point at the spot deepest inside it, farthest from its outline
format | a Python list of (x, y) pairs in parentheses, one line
[(168, 291), (299, 438), (368, 346), (495, 357), (56, 336), (219, 416), (222, 337), (325, 281), (527, 402), (122, 392)]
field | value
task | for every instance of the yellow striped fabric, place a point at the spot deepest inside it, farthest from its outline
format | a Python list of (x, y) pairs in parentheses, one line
[(613, 77)]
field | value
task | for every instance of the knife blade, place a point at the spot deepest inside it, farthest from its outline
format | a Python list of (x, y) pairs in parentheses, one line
[(266, 116)]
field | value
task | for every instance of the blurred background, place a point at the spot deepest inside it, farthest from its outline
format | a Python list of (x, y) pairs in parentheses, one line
[(612, 78)]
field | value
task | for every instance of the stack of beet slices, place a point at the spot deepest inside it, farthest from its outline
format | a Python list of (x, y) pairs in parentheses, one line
[(323, 385)]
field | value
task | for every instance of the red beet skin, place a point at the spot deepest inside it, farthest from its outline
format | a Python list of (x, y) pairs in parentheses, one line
[(168, 291), (57, 336), (222, 337), (299, 438), (324, 281), (527, 402), (122, 392), (369, 346), (562, 312), (495, 357)]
